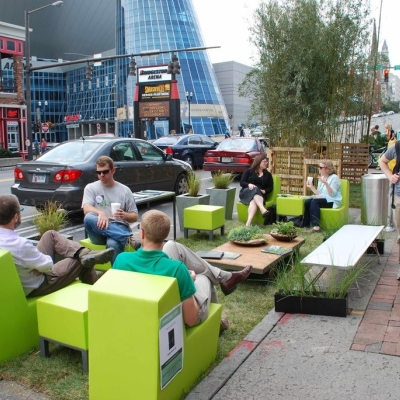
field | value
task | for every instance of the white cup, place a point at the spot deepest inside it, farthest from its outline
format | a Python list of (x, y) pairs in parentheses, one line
[(309, 180), (115, 207)]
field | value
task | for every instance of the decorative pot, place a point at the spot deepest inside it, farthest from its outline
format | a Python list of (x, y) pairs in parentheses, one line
[(283, 238), (296, 304), (380, 245), (224, 198), (183, 201)]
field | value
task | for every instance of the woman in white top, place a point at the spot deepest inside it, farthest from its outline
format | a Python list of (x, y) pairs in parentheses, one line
[(329, 189)]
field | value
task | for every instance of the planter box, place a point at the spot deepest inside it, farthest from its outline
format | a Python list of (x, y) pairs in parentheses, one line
[(380, 243), (311, 305), (185, 200), (224, 198)]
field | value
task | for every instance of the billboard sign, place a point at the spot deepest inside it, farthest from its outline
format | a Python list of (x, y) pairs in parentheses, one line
[(153, 74), (155, 92)]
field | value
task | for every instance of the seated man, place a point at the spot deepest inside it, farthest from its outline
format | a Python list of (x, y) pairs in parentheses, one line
[(101, 225), (196, 277), (37, 271)]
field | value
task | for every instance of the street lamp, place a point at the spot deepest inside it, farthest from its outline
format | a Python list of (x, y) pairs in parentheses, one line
[(28, 73), (189, 96)]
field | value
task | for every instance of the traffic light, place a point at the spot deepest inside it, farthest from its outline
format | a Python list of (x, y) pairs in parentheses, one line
[(132, 67), (173, 65), (89, 72), (386, 75)]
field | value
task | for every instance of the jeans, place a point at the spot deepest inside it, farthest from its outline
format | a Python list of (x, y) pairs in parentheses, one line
[(312, 211), (114, 236)]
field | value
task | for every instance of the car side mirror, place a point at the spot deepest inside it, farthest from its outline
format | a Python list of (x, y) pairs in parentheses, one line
[(168, 157), (216, 145)]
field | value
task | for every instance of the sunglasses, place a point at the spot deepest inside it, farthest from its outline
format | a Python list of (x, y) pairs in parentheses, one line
[(321, 167), (104, 172), (21, 209)]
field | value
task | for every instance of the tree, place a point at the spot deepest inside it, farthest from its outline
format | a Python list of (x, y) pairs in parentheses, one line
[(312, 66)]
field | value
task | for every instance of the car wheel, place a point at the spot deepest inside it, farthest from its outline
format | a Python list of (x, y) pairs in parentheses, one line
[(189, 160), (181, 185)]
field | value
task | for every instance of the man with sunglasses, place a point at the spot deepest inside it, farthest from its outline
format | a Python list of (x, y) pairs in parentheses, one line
[(38, 272), (102, 226)]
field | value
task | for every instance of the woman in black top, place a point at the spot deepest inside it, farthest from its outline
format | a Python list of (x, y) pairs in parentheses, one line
[(256, 183)]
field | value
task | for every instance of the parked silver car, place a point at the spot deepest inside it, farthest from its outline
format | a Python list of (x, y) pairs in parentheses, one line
[(62, 173)]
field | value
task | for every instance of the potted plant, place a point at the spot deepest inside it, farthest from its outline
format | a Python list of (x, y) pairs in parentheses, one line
[(51, 217), (221, 194), (248, 235), (284, 231), (297, 291), (191, 198)]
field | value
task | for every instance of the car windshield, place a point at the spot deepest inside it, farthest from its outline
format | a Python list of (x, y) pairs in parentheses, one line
[(71, 151), (238, 145), (167, 140)]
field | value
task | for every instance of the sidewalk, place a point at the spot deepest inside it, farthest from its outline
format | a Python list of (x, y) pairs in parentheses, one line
[(298, 356)]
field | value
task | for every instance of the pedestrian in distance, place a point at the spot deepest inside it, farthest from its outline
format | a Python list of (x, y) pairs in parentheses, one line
[(38, 272), (102, 225), (43, 146), (241, 132), (227, 133)]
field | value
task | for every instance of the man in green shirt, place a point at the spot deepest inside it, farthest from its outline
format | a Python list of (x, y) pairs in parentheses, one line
[(196, 277)]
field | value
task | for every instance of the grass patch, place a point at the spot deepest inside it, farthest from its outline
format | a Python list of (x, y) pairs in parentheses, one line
[(61, 377), (355, 195)]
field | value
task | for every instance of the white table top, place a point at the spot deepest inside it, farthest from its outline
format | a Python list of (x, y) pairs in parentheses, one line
[(344, 248)]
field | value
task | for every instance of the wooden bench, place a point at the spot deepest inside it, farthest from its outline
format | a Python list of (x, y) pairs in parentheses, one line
[(344, 249), (18, 321)]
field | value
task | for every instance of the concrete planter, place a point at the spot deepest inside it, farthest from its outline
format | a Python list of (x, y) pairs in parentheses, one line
[(224, 198), (185, 200)]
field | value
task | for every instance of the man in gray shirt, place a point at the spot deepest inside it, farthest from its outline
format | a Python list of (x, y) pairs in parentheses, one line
[(101, 225)]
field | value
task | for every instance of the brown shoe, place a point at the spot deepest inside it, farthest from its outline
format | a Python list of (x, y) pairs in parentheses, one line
[(90, 259), (134, 243), (230, 285), (224, 325)]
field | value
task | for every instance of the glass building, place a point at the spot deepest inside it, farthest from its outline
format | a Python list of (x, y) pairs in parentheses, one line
[(147, 25)]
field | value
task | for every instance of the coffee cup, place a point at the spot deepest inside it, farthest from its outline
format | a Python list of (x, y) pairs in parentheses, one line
[(309, 180), (115, 207)]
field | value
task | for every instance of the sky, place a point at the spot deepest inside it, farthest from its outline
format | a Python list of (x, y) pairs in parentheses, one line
[(226, 24)]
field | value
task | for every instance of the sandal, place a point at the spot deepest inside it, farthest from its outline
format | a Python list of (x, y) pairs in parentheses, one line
[(265, 214)]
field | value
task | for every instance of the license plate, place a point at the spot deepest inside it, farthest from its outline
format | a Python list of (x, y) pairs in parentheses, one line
[(39, 178), (226, 159)]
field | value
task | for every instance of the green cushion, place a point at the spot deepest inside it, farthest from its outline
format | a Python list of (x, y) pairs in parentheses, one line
[(18, 322), (204, 217), (290, 206), (269, 202), (125, 358), (335, 218), (88, 244), (63, 316)]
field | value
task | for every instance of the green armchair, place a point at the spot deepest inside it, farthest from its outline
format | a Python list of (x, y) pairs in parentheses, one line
[(270, 201)]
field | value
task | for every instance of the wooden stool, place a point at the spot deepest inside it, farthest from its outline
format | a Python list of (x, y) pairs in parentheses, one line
[(63, 318), (204, 218)]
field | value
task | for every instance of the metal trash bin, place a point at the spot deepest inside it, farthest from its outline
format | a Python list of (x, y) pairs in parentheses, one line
[(374, 199)]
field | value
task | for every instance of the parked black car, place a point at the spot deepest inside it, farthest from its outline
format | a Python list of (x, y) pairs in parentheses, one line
[(190, 148), (62, 173)]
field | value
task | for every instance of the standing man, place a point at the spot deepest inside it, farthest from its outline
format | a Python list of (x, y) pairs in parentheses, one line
[(101, 225), (196, 277), (38, 272), (43, 146), (241, 132), (386, 165)]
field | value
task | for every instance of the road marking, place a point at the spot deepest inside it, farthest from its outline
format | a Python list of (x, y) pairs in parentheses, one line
[(6, 180)]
